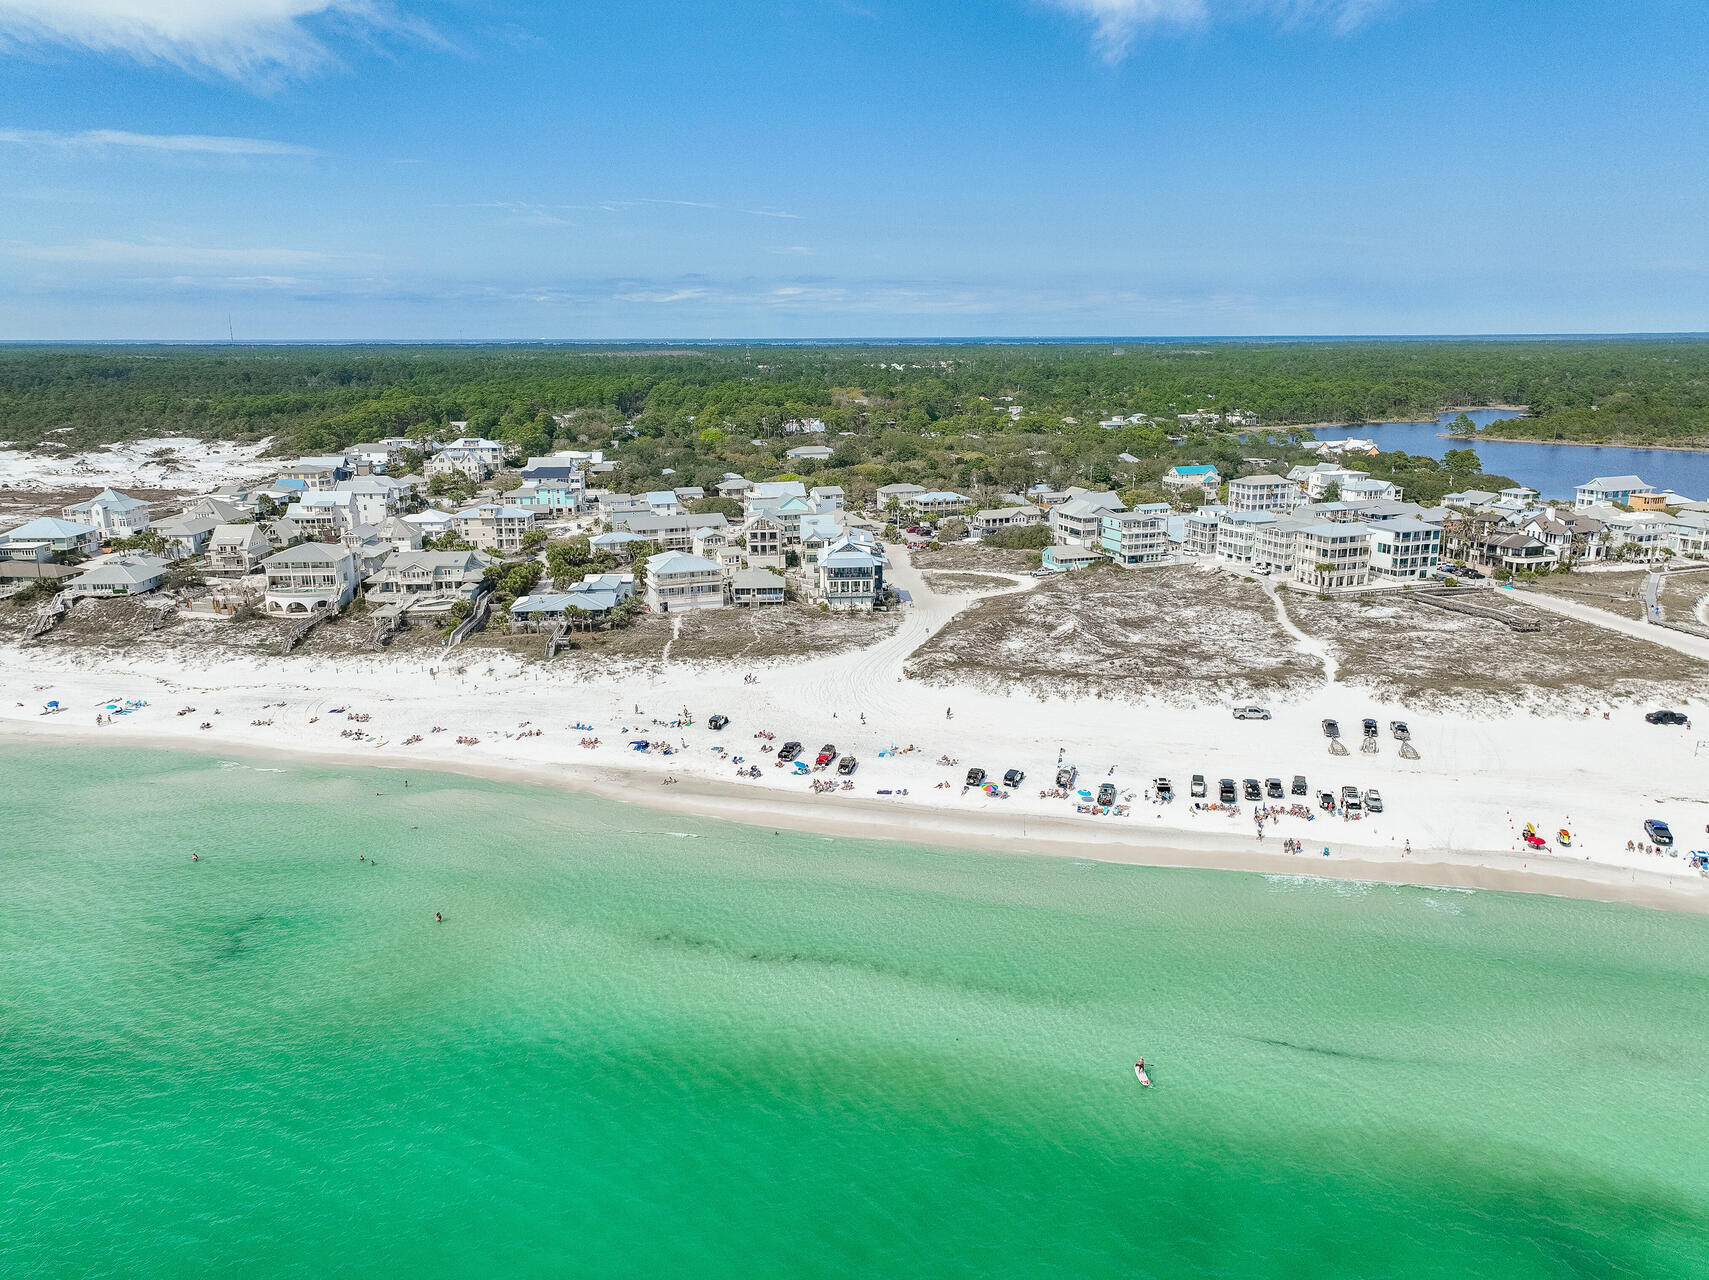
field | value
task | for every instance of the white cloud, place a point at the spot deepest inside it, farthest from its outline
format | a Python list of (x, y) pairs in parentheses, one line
[(197, 143), (256, 41), (154, 253), (1117, 22)]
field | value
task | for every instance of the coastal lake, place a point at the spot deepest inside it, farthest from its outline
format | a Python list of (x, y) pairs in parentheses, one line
[(645, 1045), (1554, 470)]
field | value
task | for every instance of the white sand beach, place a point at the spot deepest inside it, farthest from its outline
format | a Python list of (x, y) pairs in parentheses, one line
[(1460, 806)]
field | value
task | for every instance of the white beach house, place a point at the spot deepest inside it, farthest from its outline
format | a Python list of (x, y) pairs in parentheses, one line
[(116, 515), (677, 581), (310, 577)]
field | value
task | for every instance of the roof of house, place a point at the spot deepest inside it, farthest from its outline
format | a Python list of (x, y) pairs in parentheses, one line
[(120, 570), (1195, 470), (850, 559), (111, 498), (1615, 482), (616, 539), (1260, 479), (185, 526), (681, 562), (310, 553), (756, 579), (246, 535), (45, 528)]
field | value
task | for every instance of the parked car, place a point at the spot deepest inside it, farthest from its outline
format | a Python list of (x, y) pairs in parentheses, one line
[(1326, 800), (1300, 787), (1666, 717), (1399, 729), (788, 751), (1251, 789), (1197, 786), (1658, 832), (1251, 713), (976, 777), (1225, 791), (1014, 778), (717, 722), (1065, 776), (1273, 788), (1350, 799), (1331, 729), (1373, 801), (827, 753), (1164, 788), (847, 765), (1107, 794), (1370, 727)]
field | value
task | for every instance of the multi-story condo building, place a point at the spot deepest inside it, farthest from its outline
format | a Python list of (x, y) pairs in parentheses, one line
[(1264, 493)]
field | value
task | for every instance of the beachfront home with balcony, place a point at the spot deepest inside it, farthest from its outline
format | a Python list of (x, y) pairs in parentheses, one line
[(755, 586), (679, 582), (494, 527), (1139, 536), (185, 535), (308, 475), (849, 579), (1199, 531), (237, 549), (1079, 522), (308, 578), (431, 581)]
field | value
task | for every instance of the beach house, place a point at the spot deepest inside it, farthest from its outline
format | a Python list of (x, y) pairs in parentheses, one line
[(1237, 536), (374, 497), (670, 532), (308, 578), (850, 579), (494, 527), (124, 574), (45, 537), (1199, 531), (679, 581), (810, 453), (1079, 522), (755, 586), (311, 476), (431, 581), (937, 502), (1138, 536), (1610, 489), (236, 549), (116, 515), (1193, 480), (1404, 550), (1264, 493), (996, 519), (185, 535)]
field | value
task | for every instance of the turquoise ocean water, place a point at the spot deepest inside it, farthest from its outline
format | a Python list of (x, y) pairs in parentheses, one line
[(642, 1045)]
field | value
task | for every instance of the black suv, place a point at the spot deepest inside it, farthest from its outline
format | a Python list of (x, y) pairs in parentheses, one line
[(1252, 789), (788, 751), (1225, 791), (1065, 776), (1665, 717), (847, 765), (1014, 778), (717, 722), (976, 777), (1107, 794)]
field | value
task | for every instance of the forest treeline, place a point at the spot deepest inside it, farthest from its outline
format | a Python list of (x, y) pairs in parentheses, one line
[(970, 414)]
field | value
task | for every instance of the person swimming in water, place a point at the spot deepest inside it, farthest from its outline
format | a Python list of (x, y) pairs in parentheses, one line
[(438, 919)]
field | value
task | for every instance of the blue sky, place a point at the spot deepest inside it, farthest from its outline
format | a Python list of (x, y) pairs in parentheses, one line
[(837, 168)]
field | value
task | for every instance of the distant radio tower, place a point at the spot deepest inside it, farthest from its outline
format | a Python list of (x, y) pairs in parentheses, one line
[(230, 333)]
